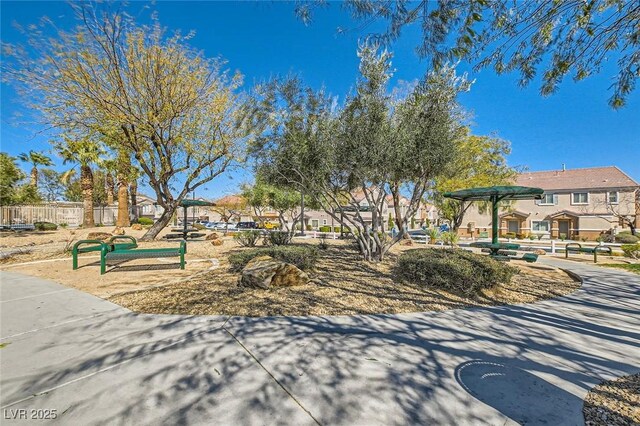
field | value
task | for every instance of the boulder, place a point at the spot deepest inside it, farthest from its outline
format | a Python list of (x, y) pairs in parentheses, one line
[(265, 272), (118, 231), (406, 242), (99, 236), (289, 275), (212, 236), (216, 242), (259, 272), (539, 252), (136, 227)]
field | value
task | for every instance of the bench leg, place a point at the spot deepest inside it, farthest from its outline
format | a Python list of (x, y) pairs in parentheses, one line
[(182, 260), (103, 264), (75, 260), (595, 256)]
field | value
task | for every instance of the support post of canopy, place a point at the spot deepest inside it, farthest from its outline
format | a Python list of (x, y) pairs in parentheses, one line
[(494, 219)]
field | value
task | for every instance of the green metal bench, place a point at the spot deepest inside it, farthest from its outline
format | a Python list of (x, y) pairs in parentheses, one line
[(577, 248), (109, 250)]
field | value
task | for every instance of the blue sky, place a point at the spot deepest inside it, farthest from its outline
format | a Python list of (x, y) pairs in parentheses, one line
[(575, 126)]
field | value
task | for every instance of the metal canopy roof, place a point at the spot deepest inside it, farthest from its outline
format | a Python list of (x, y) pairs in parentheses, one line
[(496, 192), (192, 203)]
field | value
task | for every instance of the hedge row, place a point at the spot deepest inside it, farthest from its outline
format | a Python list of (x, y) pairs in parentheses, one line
[(304, 257)]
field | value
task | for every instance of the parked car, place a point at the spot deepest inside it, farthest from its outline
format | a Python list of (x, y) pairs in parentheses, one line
[(268, 225), (213, 225), (247, 225)]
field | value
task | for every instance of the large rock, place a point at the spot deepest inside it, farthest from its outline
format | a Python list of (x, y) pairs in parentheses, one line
[(101, 236), (136, 227), (212, 236), (265, 272), (216, 242), (118, 231), (289, 275)]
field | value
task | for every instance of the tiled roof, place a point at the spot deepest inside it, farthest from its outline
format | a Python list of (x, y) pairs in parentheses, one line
[(587, 178), (230, 200)]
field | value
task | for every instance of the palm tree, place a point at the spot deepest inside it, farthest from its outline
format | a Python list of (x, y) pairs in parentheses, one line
[(35, 159), (84, 152), (108, 165)]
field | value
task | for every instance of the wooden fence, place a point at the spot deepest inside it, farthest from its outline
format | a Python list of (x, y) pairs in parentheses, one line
[(70, 215)]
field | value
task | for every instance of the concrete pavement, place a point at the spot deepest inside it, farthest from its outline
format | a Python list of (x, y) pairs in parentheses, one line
[(97, 363)]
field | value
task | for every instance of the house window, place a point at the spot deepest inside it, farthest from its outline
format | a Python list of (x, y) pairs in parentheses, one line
[(324, 221), (540, 225), (612, 197), (314, 223), (580, 198), (547, 200)]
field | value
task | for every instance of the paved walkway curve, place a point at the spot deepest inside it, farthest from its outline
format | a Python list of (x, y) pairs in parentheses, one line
[(94, 362)]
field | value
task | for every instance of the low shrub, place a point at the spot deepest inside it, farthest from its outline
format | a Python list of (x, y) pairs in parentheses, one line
[(63, 225), (631, 250), (563, 236), (325, 228), (304, 257), (450, 237), (45, 226), (510, 235), (277, 238), (452, 269), (145, 221), (247, 238), (624, 238)]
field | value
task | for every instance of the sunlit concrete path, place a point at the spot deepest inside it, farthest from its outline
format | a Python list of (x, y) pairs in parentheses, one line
[(94, 362)]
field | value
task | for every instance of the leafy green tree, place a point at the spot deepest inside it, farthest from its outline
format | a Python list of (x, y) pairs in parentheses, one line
[(12, 191), (174, 112), (553, 39), (73, 188), (347, 159), (35, 159), (481, 162)]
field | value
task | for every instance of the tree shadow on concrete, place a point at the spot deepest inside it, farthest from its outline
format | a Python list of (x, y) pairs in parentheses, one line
[(376, 369)]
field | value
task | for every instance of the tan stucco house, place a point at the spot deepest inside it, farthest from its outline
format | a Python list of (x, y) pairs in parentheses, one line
[(577, 204)]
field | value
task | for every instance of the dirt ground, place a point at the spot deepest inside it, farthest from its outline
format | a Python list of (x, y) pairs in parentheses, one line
[(614, 402), (341, 284), (47, 258)]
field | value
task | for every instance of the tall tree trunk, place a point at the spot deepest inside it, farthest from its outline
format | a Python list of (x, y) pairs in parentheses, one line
[(134, 200), (124, 164), (123, 205), (109, 188), (34, 177), (161, 223), (86, 184)]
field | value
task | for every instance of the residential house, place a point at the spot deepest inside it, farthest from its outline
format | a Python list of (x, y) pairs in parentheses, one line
[(577, 204)]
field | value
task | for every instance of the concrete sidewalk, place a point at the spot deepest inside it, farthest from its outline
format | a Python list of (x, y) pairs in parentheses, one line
[(96, 363)]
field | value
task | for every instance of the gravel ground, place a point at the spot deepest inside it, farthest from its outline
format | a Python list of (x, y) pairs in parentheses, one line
[(342, 284), (614, 402)]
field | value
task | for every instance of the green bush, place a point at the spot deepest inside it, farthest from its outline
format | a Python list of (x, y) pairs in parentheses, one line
[(145, 221), (450, 237), (247, 238), (304, 257), (631, 250), (563, 236), (625, 238), (325, 228), (510, 235), (45, 226), (452, 269), (277, 238)]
